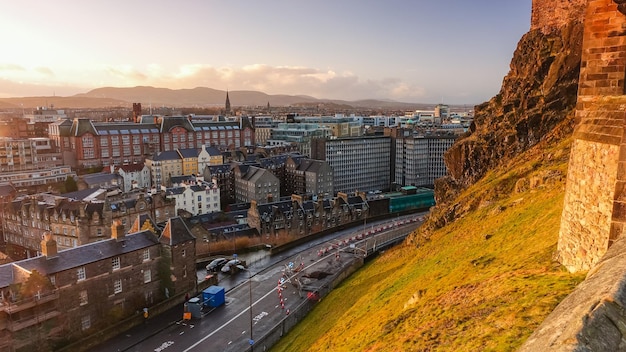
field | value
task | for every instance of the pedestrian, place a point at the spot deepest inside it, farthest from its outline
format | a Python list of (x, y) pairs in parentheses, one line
[(186, 296)]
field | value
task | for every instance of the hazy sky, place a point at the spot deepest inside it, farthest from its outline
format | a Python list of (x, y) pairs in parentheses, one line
[(456, 51)]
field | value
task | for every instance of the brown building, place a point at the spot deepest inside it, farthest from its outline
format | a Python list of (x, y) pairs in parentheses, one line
[(62, 296), (74, 220)]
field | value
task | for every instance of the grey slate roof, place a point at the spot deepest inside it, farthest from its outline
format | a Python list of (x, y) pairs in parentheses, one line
[(188, 152), (175, 232), (79, 256), (167, 155), (169, 122), (82, 126)]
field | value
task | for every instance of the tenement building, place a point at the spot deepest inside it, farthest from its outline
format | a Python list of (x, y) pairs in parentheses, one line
[(74, 222), (62, 296)]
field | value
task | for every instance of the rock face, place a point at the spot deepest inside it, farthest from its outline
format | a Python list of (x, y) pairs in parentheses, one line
[(536, 96), (593, 317)]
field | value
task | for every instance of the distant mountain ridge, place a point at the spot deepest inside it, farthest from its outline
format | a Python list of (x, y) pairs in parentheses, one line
[(195, 97)]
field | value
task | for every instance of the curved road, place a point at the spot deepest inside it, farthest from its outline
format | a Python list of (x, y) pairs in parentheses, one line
[(254, 305)]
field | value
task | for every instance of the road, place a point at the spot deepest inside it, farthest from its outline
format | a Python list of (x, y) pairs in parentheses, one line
[(254, 304)]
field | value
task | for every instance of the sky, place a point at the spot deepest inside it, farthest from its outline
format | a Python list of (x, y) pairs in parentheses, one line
[(417, 51)]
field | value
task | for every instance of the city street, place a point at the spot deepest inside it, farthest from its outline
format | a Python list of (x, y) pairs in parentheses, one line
[(231, 327)]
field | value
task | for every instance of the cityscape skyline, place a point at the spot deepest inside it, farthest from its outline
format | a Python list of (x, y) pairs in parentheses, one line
[(419, 52)]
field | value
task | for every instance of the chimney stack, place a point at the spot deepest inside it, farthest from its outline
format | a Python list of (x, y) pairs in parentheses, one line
[(117, 231), (48, 246)]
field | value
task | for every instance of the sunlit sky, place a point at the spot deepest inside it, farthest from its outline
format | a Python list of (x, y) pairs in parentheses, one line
[(455, 51)]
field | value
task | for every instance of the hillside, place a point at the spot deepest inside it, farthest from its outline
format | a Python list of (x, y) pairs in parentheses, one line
[(480, 273), (197, 97), (483, 282)]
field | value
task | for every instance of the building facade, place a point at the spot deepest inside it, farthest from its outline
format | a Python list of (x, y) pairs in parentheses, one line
[(358, 164), (82, 290), (74, 222), (419, 157)]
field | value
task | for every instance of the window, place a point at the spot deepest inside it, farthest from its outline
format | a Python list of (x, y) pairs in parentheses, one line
[(146, 254), (53, 280), (80, 273), (147, 276), (115, 263), (185, 271), (85, 322), (82, 297), (117, 286), (183, 252)]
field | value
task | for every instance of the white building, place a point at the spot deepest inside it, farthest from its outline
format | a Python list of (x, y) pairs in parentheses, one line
[(197, 199), (133, 176)]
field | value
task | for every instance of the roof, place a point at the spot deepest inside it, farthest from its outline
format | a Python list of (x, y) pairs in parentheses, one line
[(167, 155), (79, 256), (92, 179), (169, 122), (131, 167), (175, 232), (188, 153), (85, 193), (82, 126)]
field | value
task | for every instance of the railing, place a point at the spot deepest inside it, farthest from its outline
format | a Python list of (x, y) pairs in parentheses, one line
[(17, 306)]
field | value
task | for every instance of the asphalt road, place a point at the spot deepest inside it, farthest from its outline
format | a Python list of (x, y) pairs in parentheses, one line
[(253, 303)]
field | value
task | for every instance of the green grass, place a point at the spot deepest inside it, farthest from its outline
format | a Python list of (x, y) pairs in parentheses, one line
[(482, 283)]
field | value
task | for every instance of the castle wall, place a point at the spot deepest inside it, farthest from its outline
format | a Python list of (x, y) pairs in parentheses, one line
[(548, 15), (594, 212)]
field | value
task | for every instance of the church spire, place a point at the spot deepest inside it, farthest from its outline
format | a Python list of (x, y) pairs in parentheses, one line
[(227, 106)]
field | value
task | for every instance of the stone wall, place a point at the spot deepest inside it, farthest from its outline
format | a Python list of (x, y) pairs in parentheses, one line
[(548, 15), (594, 211), (593, 317)]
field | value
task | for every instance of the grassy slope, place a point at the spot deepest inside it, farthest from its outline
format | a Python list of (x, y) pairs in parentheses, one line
[(484, 282)]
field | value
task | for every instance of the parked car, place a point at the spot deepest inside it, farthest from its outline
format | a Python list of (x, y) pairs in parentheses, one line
[(230, 264), (216, 264)]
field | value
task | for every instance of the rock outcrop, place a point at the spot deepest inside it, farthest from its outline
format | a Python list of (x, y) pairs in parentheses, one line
[(536, 102), (593, 317)]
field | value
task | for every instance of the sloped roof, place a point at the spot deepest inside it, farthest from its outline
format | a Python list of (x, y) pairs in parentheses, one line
[(131, 167), (175, 232), (79, 256), (82, 126), (167, 155), (169, 122), (188, 153)]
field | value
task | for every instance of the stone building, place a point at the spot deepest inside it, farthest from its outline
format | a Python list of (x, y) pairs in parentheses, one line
[(255, 183), (64, 295), (74, 222), (303, 216), (308, 176), (594, 210)]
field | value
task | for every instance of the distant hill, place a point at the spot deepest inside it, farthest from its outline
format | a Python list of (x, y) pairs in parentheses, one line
[(196, 97)]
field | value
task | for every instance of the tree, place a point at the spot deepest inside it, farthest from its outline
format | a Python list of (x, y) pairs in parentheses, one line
[(70, 184)]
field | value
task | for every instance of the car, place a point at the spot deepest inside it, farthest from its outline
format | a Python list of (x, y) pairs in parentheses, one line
[(231, 263), (216, 264)]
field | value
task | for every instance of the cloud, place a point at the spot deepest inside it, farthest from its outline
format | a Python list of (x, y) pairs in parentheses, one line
[(292, 80), (127, 74), (11, 67)]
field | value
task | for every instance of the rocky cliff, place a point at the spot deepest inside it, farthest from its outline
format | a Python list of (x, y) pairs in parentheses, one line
[(535, 103)]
